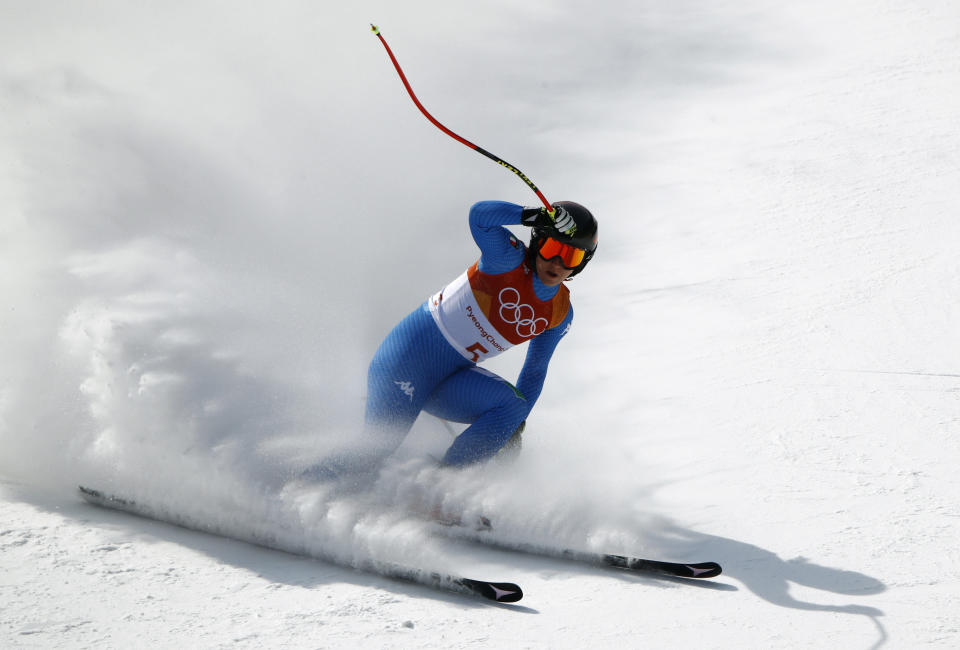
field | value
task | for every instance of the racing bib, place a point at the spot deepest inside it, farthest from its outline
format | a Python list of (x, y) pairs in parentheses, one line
[(482, 315)]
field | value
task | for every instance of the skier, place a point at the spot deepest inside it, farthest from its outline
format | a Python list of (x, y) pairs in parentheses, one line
[(511, 295)]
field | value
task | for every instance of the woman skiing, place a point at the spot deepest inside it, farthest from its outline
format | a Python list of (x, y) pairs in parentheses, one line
[(511, 295)]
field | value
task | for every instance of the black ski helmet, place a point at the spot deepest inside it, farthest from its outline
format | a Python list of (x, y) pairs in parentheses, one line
[(583, 237)]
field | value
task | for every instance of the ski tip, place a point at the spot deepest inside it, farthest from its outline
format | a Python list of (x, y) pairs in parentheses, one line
[(501, 592), (704, 570)]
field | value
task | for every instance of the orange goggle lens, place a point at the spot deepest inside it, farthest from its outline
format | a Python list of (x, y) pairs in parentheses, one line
[(570, 256)]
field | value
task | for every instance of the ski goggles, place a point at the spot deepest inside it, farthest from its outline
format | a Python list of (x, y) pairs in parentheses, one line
[(570, 256)]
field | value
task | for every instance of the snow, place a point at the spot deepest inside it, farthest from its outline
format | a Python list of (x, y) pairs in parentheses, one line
[(211, 214)]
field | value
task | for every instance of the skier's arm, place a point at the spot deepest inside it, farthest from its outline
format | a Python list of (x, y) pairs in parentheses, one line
[(500, 251), (539, 352), (469, 448)]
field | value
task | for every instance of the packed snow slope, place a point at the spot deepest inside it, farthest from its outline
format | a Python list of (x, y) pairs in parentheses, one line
[(211, 213)]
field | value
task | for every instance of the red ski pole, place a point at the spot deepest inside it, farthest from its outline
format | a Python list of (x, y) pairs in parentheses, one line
[(453, 135)]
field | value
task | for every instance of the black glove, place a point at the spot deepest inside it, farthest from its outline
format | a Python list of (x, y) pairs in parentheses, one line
[(561, 222)]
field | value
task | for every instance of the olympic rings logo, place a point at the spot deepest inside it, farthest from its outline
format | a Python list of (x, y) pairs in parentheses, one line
[(522, 315)]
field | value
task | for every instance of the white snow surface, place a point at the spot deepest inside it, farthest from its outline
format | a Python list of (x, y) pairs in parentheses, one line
[(212, 212)]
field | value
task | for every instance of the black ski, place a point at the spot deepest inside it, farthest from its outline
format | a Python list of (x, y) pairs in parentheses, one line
[(501, 592), (480, 533), (676, 569)]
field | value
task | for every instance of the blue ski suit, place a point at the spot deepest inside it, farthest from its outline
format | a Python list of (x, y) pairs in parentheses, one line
[(429, 360)]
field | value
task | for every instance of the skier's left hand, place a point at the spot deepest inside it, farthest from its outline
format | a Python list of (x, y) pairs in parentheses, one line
[(560, 221)]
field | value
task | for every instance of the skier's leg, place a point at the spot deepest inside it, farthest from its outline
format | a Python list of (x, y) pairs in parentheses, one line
[(412, 360), (492, 406)]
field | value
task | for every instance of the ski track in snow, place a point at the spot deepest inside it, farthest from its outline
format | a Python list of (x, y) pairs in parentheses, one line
[(204, 235)]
